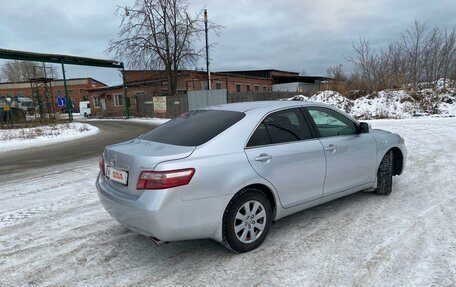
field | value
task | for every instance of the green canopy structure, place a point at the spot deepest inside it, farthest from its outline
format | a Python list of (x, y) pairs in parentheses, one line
[(69, 60)]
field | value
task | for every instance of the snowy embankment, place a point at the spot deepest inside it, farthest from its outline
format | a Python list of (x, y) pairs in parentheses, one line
[(395, 104), (151, 121), (53, 231), (13, 139)]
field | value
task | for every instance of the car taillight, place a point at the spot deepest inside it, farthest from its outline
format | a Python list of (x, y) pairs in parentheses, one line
[(102, 165), (164, 179)]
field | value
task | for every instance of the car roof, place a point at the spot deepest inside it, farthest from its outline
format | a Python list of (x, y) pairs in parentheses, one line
[(269, 105)]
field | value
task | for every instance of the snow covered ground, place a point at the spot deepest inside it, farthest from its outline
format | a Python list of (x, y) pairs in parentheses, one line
[(53, 231), (146, 120), (13, 139)]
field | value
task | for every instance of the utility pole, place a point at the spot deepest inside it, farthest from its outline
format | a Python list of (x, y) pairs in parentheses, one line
[(207, 51), (69, 104)]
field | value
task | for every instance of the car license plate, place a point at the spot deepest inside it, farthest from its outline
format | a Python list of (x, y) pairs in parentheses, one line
[(117, 175)]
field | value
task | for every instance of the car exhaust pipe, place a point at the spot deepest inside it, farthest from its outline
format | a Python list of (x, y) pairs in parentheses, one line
[(157, 241)]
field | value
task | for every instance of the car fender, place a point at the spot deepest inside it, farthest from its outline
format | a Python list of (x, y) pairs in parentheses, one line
[(386, 142)]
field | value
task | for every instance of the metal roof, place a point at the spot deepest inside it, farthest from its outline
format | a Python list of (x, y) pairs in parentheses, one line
[(57, 58)]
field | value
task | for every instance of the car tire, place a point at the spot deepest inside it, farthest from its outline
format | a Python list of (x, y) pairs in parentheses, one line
[(241, 232), (385, 175)]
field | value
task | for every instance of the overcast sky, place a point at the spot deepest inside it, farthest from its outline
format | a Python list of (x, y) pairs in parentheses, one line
[(294, 35)]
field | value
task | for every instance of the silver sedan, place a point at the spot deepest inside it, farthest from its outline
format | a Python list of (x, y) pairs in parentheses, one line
[(226, 172)]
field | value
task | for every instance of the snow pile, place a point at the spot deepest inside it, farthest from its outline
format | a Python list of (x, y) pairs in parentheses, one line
[(298, 98), (151, 121), (328, 97), (443, 102), (443, 83), (385, 104), (396, 104), (334, 99), (13, 139)]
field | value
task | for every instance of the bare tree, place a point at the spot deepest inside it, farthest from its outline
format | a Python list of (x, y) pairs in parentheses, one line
[(414, 42), (337, 74), (159, 34), (448, 54), (21, 71), (421, 55), (364, 61)]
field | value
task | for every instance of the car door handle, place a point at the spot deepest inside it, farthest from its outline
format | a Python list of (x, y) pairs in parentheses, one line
[(263, 157), (331, 148)]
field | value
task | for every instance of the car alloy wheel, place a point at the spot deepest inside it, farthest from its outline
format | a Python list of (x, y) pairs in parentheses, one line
[(250, 221), (246, 221)]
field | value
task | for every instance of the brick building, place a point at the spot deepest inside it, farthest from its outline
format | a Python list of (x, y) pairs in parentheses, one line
[(110, 100), (77, 89)]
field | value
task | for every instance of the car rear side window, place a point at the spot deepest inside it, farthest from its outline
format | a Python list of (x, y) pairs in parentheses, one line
[(194, 128), (280, 127)]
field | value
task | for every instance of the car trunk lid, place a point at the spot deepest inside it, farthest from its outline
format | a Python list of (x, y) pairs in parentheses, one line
[(125, 161)]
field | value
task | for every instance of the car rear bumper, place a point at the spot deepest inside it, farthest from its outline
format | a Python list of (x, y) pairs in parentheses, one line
[(163, 214)]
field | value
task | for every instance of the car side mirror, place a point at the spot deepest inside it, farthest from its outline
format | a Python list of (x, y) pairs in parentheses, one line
[(364, 128)]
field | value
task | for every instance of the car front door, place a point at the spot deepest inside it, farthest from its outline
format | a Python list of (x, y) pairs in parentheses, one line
[(283, 151), (350, 156)]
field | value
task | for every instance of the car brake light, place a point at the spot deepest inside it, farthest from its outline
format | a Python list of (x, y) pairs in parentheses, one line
[(102, 165), (164, 179)]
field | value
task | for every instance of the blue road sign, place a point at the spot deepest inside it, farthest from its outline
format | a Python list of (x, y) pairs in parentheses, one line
[(61, 102)]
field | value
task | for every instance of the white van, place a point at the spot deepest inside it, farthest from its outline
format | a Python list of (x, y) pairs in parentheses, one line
[(84, 108)]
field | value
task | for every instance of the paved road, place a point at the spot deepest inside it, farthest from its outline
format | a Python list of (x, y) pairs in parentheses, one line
[(110, 132)]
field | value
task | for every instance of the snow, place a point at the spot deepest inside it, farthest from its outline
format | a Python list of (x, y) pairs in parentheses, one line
[(13, 139), (53, 231), (392, 104), (386, 104), (146, 120), (332, 98)]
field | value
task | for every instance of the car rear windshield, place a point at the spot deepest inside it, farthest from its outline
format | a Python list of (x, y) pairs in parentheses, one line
[(194, 128)]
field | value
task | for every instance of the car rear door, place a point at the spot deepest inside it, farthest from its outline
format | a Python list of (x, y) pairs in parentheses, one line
[(284, 151), (350, 156)]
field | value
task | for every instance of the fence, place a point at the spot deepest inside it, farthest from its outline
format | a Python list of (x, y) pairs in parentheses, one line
[(259, 96), (174, 106), (204, 98)]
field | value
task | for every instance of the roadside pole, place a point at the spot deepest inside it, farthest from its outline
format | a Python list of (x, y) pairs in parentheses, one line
[(127, 99), (67, 98)]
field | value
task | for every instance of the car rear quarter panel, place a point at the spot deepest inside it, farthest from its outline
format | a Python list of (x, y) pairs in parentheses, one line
[(221, 165)]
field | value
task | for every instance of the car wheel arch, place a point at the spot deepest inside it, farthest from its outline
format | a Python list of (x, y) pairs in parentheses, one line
[(264, 189), (398, 160)]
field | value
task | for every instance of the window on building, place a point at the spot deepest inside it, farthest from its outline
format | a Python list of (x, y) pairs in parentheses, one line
[(96, 102), (70, 92), (238, 88), (118, 100), (257, 88), (247, 88), (218, 85), (264, 88), (82, 91)]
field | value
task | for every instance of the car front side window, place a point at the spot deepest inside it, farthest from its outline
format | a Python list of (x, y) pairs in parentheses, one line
[(331, 123), (281, 127)]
